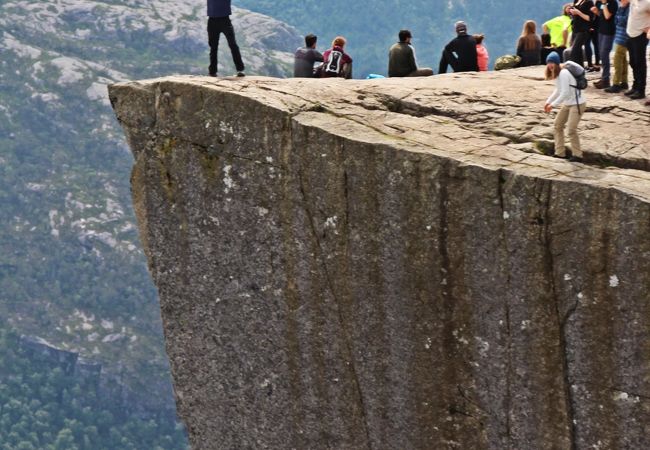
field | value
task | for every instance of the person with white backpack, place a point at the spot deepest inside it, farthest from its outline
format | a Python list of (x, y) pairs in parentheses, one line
[(570, 81)]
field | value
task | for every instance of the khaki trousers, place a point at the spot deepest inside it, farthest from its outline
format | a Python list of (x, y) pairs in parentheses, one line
[(568, 116), (620, 64)]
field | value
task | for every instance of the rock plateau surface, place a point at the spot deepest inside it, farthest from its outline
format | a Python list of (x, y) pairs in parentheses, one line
[(393, 264)]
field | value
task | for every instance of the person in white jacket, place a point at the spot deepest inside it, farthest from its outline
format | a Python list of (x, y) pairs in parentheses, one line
[(572, 103), (638, 29)]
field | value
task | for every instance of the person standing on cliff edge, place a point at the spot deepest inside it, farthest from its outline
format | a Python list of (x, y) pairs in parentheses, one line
[(219, 12)]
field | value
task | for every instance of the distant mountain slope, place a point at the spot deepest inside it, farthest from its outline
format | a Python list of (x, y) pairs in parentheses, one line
[(371, 27), (71, 268)]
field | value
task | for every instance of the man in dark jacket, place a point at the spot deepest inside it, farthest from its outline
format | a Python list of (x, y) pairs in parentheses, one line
[(460, 53), (305, 57), (401, 59), (219, 12)]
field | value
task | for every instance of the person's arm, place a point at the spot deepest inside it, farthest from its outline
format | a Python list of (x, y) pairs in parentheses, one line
[(606, 12), (318, 56), (413, 65), (442, 68)]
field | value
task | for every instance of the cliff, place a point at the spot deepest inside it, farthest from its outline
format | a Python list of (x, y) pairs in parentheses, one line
[(391, 264)]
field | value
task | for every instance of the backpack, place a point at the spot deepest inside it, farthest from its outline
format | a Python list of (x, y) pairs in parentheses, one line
[(506, 62), (578, 73), (334, 64)]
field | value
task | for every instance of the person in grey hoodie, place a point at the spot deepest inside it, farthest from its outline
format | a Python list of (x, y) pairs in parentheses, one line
[(305, 57), (219, 12)]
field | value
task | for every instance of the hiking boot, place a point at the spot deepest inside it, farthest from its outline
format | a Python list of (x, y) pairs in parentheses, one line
[(241, 74), (637, 95), (602, 84)]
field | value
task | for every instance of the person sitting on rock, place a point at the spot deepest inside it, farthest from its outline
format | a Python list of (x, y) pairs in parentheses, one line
[(336, 63), (460, 52), (305, 57), (547, 47), (572, 102), (529, 45), (559, 28), (401, 58), (482, 55)]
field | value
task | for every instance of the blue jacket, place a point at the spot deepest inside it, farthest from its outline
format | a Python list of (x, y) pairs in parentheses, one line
[(219, 8), (621, 25)]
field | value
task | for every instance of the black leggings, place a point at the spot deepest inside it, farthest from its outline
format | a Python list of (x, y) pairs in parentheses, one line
[(580, 39), (216, 26)]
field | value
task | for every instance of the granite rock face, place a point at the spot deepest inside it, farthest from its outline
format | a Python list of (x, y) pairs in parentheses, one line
[(391, 264)]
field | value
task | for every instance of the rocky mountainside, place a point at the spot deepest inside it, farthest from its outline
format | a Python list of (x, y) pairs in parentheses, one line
[(71, 267), (395, 263)]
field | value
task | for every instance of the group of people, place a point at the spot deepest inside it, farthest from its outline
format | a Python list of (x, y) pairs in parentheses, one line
[(564, 45), (464, 53)]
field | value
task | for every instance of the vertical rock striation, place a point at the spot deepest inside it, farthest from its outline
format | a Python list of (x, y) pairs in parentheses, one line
[(390, 265)]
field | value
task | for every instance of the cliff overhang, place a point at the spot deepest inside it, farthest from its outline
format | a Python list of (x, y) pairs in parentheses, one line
[(394, 263)]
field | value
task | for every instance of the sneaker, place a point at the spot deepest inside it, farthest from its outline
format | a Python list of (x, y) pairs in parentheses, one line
[(601, 84), (637, 95), (241, 74)]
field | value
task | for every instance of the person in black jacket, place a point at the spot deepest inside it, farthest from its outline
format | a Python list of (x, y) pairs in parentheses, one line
[(460, 53), (581, 18), (219, 12)]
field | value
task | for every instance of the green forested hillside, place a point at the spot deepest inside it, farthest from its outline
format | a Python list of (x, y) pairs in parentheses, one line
[(71, 267), (371, 27), (43, 408)]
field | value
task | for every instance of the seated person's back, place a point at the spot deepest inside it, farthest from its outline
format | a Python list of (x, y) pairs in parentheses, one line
[(305, 57)]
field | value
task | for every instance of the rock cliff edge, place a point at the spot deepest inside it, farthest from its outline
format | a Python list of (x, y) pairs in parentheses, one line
[(391, 264)]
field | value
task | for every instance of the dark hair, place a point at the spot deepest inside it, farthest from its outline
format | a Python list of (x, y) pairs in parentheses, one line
[(404, 35), (478, 38), (546, 40), (310, 40)]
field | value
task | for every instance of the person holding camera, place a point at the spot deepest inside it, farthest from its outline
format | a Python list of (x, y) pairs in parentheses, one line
[(605, 12), (581, 17)]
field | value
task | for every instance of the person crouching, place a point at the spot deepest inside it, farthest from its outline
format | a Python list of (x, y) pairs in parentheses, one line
[(572, 104)]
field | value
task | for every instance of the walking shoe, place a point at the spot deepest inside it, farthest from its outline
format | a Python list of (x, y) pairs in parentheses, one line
[(630, 92), (601, 84), (576, 159), (637, 95), (624, 86), (241, 74), (615, 88)]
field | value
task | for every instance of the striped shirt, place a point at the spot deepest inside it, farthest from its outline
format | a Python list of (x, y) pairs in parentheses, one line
[(621, 36)]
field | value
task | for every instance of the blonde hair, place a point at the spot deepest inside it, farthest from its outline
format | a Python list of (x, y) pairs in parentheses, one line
[(339, 41), (529, 37), (553, 73)]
